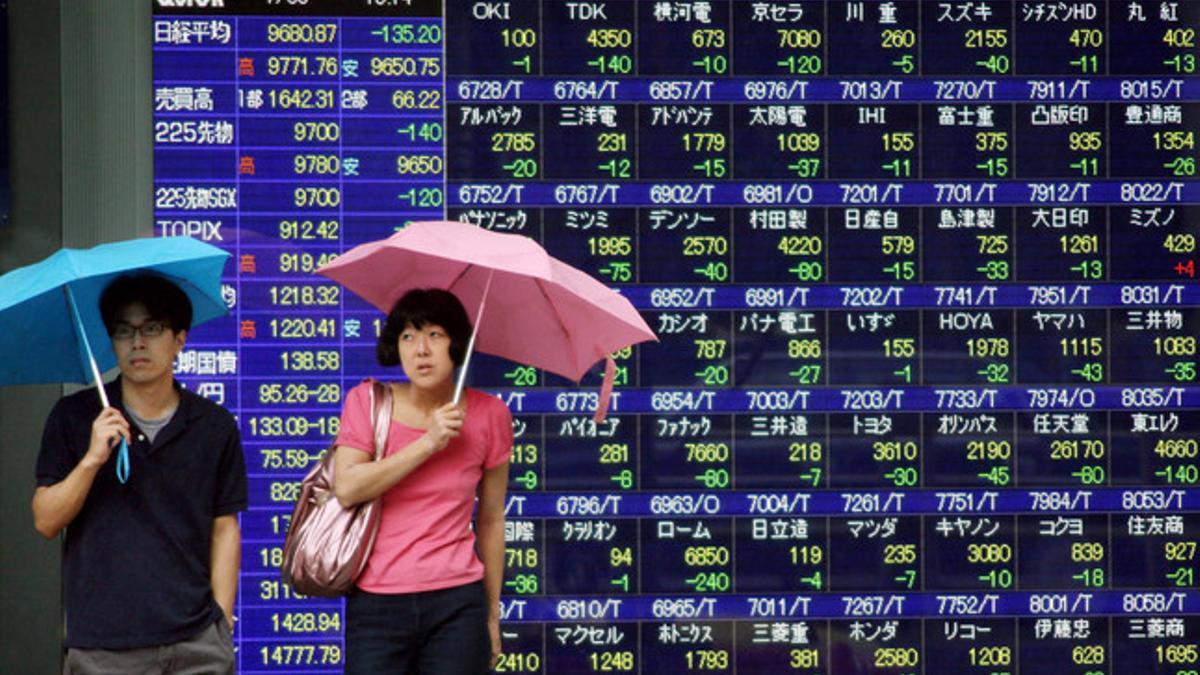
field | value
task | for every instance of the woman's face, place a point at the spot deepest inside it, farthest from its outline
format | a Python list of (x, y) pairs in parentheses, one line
[(425, 355)]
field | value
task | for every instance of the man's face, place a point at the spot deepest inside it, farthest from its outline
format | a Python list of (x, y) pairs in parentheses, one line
[(145, 348)]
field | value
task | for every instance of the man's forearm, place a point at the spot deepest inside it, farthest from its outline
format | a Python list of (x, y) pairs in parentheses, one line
[(226, 554), (55, 506)]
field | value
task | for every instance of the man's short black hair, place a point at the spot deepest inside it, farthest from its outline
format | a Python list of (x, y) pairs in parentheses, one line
[(163, 299), (417, 308)]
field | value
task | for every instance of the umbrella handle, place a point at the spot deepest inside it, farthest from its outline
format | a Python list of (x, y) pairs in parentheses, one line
[(123, 462), (462, 372)]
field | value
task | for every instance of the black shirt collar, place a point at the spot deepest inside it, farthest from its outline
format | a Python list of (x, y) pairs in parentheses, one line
[(186, 411)]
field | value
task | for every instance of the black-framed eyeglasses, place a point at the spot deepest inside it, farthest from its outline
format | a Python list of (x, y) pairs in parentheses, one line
[(150, 329)]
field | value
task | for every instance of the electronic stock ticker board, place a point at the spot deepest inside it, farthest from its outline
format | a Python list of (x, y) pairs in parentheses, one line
[(923, 274)]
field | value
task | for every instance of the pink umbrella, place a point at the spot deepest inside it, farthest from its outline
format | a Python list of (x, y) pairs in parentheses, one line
[(541, 311)]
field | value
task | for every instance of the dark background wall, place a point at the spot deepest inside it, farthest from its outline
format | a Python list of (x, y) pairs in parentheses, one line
[(81, 166)]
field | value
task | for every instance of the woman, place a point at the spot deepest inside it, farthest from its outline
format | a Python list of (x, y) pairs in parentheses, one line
[(427, 602)]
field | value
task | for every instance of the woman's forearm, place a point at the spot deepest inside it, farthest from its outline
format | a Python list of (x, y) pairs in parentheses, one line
[(358, 479)]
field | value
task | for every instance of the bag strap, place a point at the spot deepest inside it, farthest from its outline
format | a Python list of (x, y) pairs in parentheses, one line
[(381, 408)]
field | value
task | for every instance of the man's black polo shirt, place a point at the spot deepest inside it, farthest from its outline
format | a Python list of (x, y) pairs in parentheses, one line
[(136, 561)]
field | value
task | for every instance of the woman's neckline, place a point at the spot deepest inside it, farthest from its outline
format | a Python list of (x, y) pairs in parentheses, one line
[(395, 385)]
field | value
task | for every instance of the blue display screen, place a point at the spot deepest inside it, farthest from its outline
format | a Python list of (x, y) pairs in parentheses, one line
[(925, 393)]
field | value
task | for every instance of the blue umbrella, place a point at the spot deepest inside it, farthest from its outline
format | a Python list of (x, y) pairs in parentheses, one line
[(53, 306)]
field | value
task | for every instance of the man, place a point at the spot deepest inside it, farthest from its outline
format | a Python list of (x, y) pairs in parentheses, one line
[(150, 565)]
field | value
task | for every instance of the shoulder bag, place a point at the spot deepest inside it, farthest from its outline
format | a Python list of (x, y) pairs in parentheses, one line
[(327, 545)]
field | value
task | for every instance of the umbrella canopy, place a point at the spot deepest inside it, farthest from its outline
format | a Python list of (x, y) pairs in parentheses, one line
[(540, 311), (40, 342)]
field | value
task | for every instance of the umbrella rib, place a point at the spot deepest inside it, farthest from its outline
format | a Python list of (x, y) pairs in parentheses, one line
[(461, 274), (562, 325)]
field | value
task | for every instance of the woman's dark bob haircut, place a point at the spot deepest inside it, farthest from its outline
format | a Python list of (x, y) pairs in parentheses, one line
[(417, 308), (163, 299)]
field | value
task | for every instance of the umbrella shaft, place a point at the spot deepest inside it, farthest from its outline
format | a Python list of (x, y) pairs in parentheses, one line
[(99, 384), (87, 346), (462, 373)]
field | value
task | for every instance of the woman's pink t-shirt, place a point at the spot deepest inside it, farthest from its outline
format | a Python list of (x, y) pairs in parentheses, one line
[(425, 540)]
